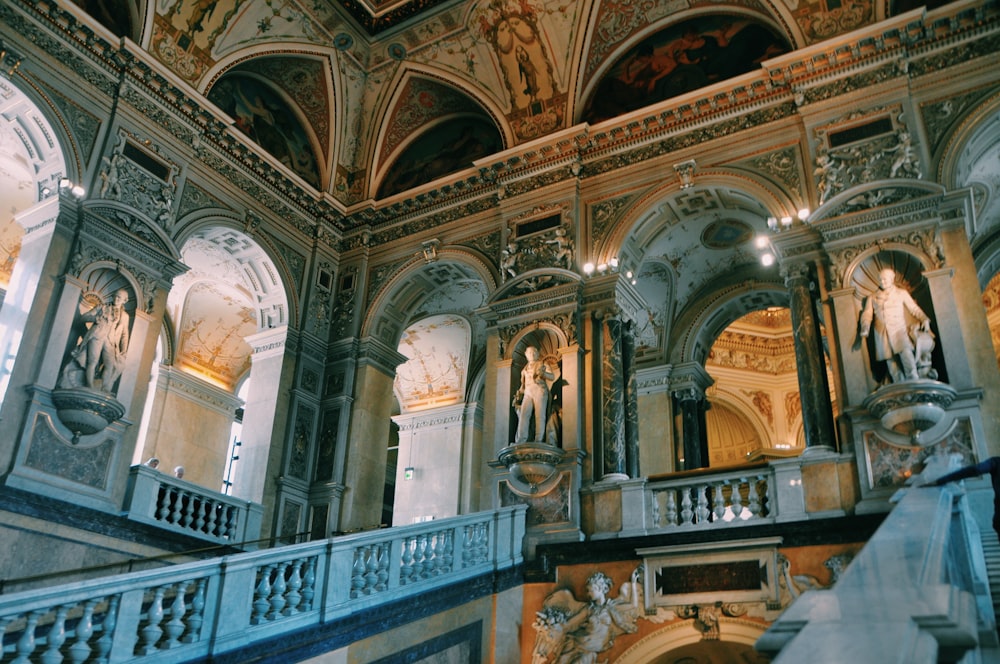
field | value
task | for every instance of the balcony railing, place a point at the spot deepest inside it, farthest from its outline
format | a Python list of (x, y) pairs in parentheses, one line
[(713, 498), (190, 611), (167, 502)]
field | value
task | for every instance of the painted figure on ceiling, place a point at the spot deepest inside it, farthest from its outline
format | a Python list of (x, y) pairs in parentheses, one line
[(512, 29), (680, 59)]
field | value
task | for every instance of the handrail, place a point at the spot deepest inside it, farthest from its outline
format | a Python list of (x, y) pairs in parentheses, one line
[(131, 562), (195, 610), (923, 567)]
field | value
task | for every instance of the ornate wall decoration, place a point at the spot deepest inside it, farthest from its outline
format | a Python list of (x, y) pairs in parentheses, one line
[(939, 116), (604, 215), (793, 407), (298, 451), (543, 509), (782, 165), (82, 124), (327, 445), (819, 20), (863, 147), (892, 464), (194, 198), (762, 402)]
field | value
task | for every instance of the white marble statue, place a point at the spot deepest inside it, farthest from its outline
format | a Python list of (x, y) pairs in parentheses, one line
[(532, 399), (886, 313), (101, 351)]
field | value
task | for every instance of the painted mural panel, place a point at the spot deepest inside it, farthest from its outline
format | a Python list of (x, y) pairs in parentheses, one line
[(212, 334), (448, 147), (263, 115), (679, 59)]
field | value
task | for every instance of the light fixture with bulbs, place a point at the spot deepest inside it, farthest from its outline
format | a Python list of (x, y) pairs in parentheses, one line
[(588, 269)]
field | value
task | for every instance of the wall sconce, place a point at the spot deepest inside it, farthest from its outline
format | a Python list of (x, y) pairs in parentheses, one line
[(408, 473), (761, 242), (66, 185), (772, 223), (602, 268), (613, 263), (767, 260), (588, 269), (786, 222), (803, 214)]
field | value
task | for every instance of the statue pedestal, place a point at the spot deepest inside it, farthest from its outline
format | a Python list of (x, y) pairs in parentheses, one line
[(914, 410), (85, 412), (531, 463)]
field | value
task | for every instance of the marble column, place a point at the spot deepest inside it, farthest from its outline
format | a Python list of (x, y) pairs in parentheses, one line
[(693, 428), (689, 382), (814, 390), (613, 401), (631, 401)]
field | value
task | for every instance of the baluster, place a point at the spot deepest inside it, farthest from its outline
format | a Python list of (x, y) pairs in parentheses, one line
[(197, 617), (164, 504), (702, 510), (175, 626), (176, 512), (719, 501), (448, 546), (188, 509), (204, 506), (687, 513), (80, 650), (737, 499), (152, 631), (437, 553), (309, 585), (418, 557), (108, 630), (671, 507), (358, 572), (26, 644), (382, 573), (278, 592), (406, 561), (371, 568), (261, 594), (56, 637), (294, 583), (212, 524), (467, 534), (753, 498), (654, 508)]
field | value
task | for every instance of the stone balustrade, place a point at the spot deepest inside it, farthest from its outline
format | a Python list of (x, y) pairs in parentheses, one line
[(198, 609), (710, 498), (173, 504)]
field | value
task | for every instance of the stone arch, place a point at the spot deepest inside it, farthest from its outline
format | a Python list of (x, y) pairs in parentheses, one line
[(697, 328), (680, 634), (643, 221), (739, 406), (268, 261), (417, 281)]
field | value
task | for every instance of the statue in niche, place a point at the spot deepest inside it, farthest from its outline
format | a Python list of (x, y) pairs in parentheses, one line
[(102, 348), (573, 632), (906, 348), (531, 401)]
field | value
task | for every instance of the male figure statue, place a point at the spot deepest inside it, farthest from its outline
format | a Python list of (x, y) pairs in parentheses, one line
[(105, 342), (532, 399), (887, 308)]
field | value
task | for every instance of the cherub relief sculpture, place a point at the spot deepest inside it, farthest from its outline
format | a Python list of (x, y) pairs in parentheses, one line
[(573, 632)]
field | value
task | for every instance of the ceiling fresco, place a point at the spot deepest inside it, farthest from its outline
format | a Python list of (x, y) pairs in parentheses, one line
[(434, 375), (679, 59)]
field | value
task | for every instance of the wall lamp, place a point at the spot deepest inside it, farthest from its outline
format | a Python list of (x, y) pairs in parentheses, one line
[(67, 186)]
